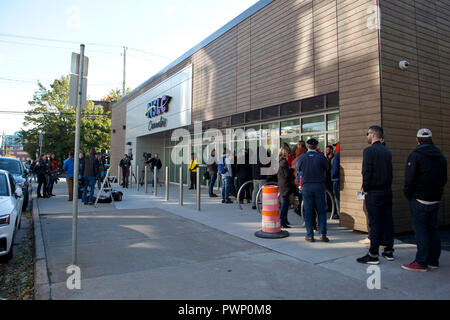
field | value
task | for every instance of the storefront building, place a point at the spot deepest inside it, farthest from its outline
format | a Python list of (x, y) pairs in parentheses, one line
[(326, 69)]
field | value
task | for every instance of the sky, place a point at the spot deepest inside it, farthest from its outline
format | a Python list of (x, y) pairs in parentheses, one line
[(37, 39)]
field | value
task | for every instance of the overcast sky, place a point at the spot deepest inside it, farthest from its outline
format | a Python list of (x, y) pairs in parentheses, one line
[(155, 31)]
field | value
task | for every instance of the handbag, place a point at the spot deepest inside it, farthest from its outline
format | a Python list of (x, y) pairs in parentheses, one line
[(206, 175)]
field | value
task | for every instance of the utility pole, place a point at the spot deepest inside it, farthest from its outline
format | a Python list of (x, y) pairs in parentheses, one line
[(124, 69), (77, 160)]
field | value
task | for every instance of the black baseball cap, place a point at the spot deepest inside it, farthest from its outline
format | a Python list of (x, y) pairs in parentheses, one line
[(312, 142)]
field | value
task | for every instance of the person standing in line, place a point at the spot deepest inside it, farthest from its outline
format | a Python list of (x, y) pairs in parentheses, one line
[(53, 167), (193, 167), (90, 172), (244, 174), (155, 162), (377, 187), (259, 179), (425, 178), (212, 170), (313, 166), (225, 169), (335, 179), (68, 168), (285, 184), (42, 172), (125, 164)]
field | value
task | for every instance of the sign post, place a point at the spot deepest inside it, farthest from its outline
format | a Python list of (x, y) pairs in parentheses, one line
[(79, 94)]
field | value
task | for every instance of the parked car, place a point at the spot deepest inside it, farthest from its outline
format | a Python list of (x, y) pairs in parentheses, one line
[(11, 201), (21, 176)]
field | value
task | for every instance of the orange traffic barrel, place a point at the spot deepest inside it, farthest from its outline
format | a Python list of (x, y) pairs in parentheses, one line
[(271, 225)]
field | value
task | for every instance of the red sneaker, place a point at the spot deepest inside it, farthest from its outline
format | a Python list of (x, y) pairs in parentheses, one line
[(414, 266)]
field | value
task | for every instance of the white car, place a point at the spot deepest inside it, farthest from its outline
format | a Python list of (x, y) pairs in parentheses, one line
[(11, 200)]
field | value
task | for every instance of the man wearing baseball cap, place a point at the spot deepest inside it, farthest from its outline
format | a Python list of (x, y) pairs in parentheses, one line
[(314, 166), (425, 178)]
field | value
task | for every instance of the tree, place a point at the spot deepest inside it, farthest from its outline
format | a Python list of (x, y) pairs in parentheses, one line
[(52, 115), (115, 94)]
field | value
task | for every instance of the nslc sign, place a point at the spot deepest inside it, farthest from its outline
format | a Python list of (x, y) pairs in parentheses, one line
[(158, 106)]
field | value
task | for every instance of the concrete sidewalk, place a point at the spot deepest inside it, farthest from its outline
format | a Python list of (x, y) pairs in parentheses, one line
[(147, 248)]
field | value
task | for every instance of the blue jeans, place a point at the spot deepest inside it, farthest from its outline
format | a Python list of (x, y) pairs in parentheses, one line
[(212, 181), (381, 223), (284, 209), (318, 198), (88, 181), (336, 195), (226, 188), (425, 223)]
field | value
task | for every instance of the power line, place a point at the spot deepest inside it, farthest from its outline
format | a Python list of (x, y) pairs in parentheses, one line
[(51, 113)]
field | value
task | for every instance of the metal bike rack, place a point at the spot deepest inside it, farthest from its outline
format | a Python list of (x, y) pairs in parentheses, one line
[(239, 192), (333, 206), (259, 193)]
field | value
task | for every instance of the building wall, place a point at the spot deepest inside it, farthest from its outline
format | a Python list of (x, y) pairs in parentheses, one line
[(417, 31), (118, 133)]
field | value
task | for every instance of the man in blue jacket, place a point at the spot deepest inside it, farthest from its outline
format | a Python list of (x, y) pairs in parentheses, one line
[(314, 166), (425, 178), (68, 167)]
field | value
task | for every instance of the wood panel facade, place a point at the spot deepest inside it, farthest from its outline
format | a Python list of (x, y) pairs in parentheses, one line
[(417, 31), (295, 49)]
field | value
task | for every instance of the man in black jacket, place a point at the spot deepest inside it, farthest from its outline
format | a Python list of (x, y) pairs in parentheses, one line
[(90, 171), (377, 187), (425, 178)]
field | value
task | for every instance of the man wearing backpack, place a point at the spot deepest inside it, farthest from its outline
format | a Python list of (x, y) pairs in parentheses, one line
[(224, 168)]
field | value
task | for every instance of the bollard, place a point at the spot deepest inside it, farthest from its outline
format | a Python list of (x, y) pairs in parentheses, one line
[(167, 183), (119, 175), (181, 187), (137, 177), (271, 225), (155, 185), (197, 178), (145, 179)]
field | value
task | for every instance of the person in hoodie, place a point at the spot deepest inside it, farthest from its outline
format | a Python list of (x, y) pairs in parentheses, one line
[(90, 172), (425, 178)]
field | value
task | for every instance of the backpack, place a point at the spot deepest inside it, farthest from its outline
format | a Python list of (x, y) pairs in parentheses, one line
[(222, 168)]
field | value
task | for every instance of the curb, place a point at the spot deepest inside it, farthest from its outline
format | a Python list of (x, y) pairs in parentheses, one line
[(41, 278)]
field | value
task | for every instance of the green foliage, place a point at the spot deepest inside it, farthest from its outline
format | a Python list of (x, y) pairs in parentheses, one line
[(116, 94), (51, 114)]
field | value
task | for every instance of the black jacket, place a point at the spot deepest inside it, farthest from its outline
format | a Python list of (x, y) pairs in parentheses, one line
[(377, 168), (41, 168), (256, 168), (425, 173), (244, 170), (91, 166), (285, 178)]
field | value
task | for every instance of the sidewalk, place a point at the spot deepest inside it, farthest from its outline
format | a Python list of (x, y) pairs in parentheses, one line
[(147, 248)]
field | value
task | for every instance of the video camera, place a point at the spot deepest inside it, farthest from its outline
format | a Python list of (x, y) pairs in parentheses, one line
[(147, 156)]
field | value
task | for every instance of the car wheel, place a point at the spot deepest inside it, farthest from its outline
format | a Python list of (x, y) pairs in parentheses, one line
[(7, 257)]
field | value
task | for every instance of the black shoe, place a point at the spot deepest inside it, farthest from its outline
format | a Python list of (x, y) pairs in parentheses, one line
[(191, 188), (324, 239), (228, 201), (39, 196), (213, 195), (90, 203), (368, 259), (287, 222), (284, 225), (223, 201), (254, 207), (389, 256), (309, 239)]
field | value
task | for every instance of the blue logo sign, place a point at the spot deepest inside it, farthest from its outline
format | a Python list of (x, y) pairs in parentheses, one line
[(158, 106)]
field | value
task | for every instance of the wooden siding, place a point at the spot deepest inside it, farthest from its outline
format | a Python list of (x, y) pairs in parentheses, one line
[(360, 103), (417, 31)]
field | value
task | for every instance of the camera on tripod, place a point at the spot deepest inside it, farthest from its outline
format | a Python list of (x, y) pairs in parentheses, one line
[(147, 156)]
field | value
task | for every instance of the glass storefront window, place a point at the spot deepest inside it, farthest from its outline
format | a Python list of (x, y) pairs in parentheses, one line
[(290, 128), (313, 104), (237, 119), (333, 122), (291, 108), (333, 100), (252, 116), (271, 133), (313, 124), (270, 112), (332, 138)]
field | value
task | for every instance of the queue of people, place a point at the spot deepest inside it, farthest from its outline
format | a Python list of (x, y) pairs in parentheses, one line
[(46, 170)]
